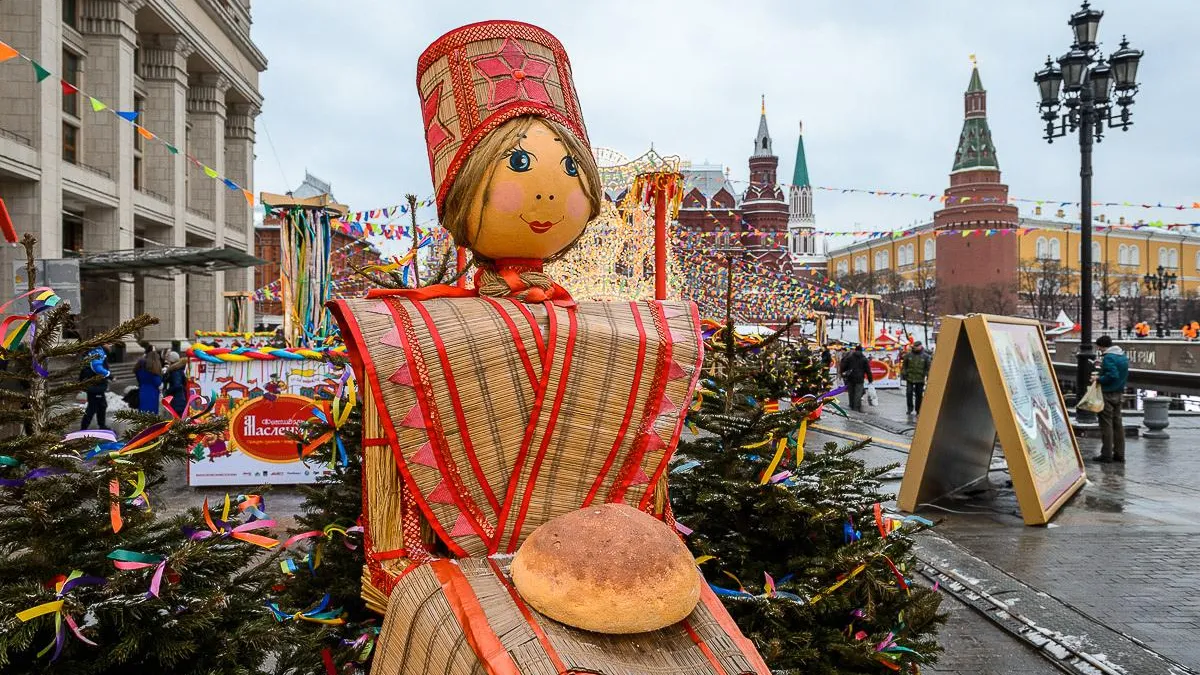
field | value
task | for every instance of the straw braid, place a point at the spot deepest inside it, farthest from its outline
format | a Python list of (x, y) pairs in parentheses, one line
[(527, 286)]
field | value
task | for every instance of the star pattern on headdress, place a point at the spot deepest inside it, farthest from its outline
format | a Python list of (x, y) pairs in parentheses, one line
[(436, 133), (513, 74)]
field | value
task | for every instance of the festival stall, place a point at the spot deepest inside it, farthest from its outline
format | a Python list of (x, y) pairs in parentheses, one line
[(267, 393)]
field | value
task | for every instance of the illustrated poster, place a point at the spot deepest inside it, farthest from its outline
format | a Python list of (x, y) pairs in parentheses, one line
[(1037, 409), (264, 400)]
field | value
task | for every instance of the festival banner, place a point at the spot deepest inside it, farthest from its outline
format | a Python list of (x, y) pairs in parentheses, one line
[(266, 401)]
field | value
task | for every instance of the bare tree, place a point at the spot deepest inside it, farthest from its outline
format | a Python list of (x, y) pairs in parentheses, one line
[(1044, 287), (925, 294)]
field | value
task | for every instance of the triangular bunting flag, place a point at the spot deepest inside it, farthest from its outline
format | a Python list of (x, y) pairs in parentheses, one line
[(127, 115), (639, 478), (402, 376), (424, 455), (97, 105), (172, 149), (38, 70), (414, 419), (675, 372), (462, 527), (441, 494), (69, 88), (210, 172), (654, 442), (249, 197), (666, 406), (230, 184), (392, 338), (6, 52), (144, 132)]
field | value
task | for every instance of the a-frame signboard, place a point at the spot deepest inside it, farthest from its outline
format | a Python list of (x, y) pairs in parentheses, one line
[(992, 376)]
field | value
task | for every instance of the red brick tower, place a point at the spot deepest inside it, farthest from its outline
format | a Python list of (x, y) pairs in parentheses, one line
[(764, 208), (976, 267)]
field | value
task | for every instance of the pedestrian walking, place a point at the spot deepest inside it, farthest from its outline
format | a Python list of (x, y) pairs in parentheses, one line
[(175, 382), (148, 371), (1112, 374), (914, 370), (97, 392), (854, 369)]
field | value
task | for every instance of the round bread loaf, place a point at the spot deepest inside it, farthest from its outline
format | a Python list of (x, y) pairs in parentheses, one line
[(609, 569)]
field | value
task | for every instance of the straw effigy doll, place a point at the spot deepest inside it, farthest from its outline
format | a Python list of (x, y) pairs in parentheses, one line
[(490, 411)]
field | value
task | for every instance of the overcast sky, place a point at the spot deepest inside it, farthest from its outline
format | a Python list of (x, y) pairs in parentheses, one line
[(878, 86)]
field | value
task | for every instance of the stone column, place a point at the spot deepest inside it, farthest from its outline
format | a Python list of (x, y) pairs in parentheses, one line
[(239, 167), (108, 27), (206, 112), (164, 72)]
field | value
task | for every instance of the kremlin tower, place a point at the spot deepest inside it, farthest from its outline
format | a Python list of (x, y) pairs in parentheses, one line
[(974, 267), (764, 210)]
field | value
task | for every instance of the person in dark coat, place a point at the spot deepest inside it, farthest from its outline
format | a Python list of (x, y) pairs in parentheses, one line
[(1112, 375), (854, 369), (175, 382), (914, 370), (148, 371), (97, 392)]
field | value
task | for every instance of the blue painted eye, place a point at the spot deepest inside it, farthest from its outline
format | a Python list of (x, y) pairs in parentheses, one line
[(569, 166), (518, 160)]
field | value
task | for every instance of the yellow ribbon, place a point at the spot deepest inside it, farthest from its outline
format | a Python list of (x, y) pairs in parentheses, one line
[(34, 612), (800, 435), (780, 448), (838, 585)]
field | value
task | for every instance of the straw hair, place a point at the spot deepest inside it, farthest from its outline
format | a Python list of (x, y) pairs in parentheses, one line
[(477, 171)]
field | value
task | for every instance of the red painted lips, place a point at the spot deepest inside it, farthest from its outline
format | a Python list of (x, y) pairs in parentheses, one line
[(539, 226)]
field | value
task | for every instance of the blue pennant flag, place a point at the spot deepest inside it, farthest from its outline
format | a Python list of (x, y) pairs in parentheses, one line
[(127, 115)]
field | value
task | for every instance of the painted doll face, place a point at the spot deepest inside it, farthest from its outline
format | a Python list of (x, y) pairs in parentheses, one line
[(534, 205)]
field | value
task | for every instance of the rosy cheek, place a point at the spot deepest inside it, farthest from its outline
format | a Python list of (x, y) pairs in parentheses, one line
[(577, 205), (506, 196)]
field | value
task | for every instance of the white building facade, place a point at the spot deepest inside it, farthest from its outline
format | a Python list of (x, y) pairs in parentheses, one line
[(85, 182)]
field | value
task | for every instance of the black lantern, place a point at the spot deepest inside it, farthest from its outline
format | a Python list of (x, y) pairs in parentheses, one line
[(1124, 65), (1049, 81), (1086, 23), (1074, 66), (1084, 83), (1101, 79)]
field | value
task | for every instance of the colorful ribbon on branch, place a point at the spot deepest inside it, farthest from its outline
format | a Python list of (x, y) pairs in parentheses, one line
[(14, 329), (62, 620), (319, 613), (132, 560), (223, 528)]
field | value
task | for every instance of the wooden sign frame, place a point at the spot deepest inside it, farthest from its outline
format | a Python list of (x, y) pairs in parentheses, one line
[(970, 402)]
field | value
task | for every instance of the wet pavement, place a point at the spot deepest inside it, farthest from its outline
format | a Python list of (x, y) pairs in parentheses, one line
[(1115, 573), (1119, 560)]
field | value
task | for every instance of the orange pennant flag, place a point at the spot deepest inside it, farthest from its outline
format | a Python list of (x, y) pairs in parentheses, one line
[(249, 197), (7, 52), (144, 132)]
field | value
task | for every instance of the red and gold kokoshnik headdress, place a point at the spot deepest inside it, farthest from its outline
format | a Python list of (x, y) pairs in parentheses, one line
[(477, 77)]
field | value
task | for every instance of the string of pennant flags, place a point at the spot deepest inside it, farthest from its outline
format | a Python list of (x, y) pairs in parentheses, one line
[(946, 199), (1019, 200), (8, 53)]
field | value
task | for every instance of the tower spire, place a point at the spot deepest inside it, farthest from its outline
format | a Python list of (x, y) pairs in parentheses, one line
[(800, 173), (762, 141), (975, 147)]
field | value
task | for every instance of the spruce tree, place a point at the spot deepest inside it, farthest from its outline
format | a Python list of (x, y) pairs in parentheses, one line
[(327, 565), (801, 560), (92, 581)]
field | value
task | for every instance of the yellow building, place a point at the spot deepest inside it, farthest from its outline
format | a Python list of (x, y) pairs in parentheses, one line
[(1126, 254)]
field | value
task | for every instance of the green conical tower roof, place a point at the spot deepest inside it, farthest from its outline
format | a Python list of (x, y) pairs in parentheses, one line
[(800, 173), (976, 83), (975, 147)]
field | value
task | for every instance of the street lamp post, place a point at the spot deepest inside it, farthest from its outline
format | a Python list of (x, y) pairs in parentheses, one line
[(1161, 282), (1083, 83)]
